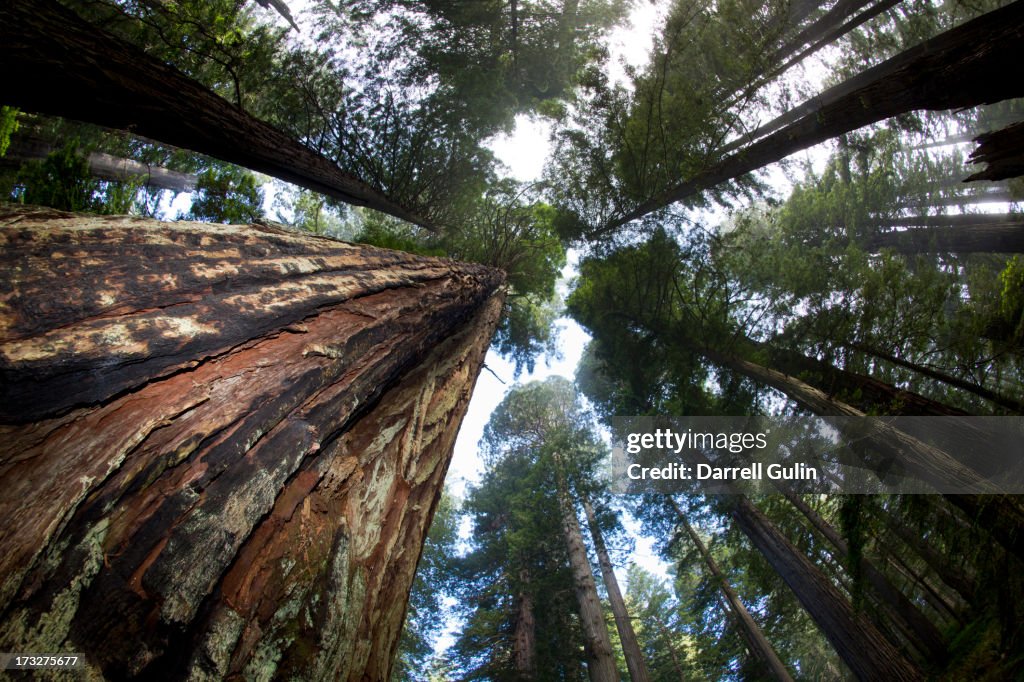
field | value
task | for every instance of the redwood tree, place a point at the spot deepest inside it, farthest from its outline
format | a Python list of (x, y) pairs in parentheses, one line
[(223, 445)]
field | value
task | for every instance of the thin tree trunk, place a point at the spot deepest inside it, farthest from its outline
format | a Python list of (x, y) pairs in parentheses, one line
[(980, 391), (866, 393), (58, 64), (998, 196), (981, 61), (222, 446), (939, 603), (923, 460), (761, 647), (824, 32), (630, 647), (939, 564), (857, 641), (597, 643), (918, 630)]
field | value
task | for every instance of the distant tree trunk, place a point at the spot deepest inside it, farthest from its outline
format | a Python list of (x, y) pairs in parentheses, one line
[(921, 459), (630, 647), (760, 645), (597, 643), (857, 641), (980, 62), (832, 26), (104, 166), (978, 390), (904, 614), (222, 446), (941, 565), (970, 238), (999, 514), (93, 76), (866, 393), (524, 636)]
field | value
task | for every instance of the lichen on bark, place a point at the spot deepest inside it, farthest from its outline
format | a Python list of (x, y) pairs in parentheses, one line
[(242, 438)]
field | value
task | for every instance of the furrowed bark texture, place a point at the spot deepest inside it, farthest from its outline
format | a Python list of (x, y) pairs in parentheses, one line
[(93, 76), (243, 483)]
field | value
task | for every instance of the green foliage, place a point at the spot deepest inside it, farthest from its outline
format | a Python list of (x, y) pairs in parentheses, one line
[(8, 126), (227, 194), (519, 551), (63, 181)]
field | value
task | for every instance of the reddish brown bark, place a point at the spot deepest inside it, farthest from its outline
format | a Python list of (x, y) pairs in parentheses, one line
[(58, 64), (635, 663), (255, 501)]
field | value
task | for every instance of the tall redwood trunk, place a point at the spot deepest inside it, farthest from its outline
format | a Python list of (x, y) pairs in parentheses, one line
[(222, 446), (630, 647), (1001, 515), (904, 614), (524, 635), (760, 645), (857, 641), (597, 643), (980, 62), (58, 64)]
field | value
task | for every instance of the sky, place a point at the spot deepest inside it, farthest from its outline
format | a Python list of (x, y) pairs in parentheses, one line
[(524, 153)]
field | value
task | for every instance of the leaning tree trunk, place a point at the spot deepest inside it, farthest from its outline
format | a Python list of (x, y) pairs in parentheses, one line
[(857, 641), (58, 64), (630, 646), (903, 613), (222, 446), (752, 632), (597, 643), (1008, 402), (1001, 515), (979, 62)]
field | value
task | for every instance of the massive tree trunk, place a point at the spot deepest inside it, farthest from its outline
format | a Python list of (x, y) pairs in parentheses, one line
[(222, 446), (58, 64), (759, 644), (857, 641), (630, 647), (904, 614), (979, 62), (596, 641)]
